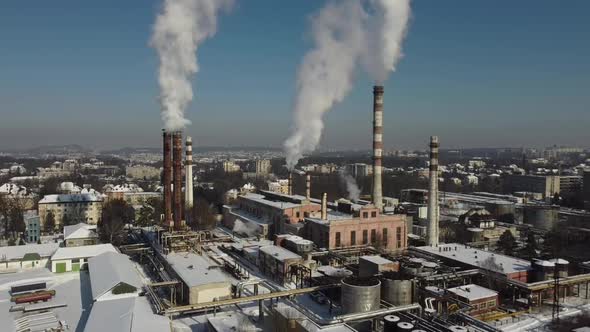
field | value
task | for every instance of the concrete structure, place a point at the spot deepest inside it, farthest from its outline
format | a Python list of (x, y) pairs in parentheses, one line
[(230, 167), (480, 299), (33, 223), (78, 208), (370, 266), (359, 169), (142, 172), (586, 187), (188, 186), (27, 256), (80, 235), (433, 212), (113, 276), (167, 178), (177, 179), (262, 167), (368, 226), (202, 281), (75, 258), (548, 185), (276, 262), (377, 146)]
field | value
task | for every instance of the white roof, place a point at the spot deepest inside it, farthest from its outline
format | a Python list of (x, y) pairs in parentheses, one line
[(473, 292), (17, 252), (70, 198), (131, 314), (263, 200), (195, 270), (475, 257), (376, 260), (279, 253), (79, 231), (82, 252), (109, 269)]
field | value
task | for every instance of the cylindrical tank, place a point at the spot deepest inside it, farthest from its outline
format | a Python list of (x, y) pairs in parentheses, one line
[(360, 295), (405, 326), (457, 328), (543, 217), (561, 267), (395, 290), (390, 323)]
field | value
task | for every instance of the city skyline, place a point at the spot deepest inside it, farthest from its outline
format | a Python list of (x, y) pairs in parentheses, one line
[(477, 76)]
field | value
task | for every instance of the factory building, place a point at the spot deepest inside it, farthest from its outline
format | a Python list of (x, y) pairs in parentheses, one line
[(546, 185), (70, 259), (480, 299), (276, 262)]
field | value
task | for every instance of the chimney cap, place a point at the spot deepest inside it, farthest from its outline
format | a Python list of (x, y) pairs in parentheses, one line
[(378, 89)]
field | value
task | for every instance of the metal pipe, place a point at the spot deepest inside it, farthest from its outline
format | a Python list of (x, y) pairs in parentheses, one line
[(324, 206), (377, 145), (177, 178), (188, 187), (167, 179), (433, 215)]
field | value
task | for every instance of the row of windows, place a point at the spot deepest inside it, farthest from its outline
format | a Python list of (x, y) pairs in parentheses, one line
[(365, 238), (373, 214)]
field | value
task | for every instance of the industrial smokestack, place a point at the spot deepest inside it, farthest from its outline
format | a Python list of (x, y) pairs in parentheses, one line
[(188, 186), (377, 145), (324, 206), (290, 184), (177, 178), (167, 181), (307, 186), (433, 194)]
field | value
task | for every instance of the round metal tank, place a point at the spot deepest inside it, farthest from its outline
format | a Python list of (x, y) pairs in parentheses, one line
[(457, 328), (543, 217), (360, 295), (412, 268), (396, 291), (561, 267), (390, 323), (405, 326)]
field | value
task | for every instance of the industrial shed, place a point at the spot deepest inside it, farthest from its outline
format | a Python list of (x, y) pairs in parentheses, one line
[(202, 281), (27, 256), (75, 258), (276, 262), (125, 315), (112, 276)]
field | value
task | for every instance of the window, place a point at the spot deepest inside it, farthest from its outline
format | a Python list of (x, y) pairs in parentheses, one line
[(374, 214), (297, 214), (338, 239), (365, 214), (491, 304), (384, 233), (353, 238), (398, 237), (365, 236), (373, 235)]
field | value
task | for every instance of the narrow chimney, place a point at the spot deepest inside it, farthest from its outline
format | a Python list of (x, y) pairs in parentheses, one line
[(290, 184), (188, 187), (167, 181), (177, 178), (308, 186), (377, 145), (324, 206), (433, 194)]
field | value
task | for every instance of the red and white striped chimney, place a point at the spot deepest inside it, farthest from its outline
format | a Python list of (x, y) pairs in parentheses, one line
[(377, 145), (167, 178), (177, 178)]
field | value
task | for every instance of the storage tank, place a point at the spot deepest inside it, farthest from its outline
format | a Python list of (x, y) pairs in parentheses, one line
[(541, 216), (405, 326), (396, 290), (390, 323), (561, 267), (360, 295), (285, 318), (543, 270)]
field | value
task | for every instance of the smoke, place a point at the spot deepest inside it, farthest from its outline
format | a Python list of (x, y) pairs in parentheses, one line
[(249, 229), (352, 188), (180, 28), (345, 34)]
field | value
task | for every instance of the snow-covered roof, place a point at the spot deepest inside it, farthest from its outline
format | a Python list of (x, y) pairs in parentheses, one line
[(70, 198), (82, 252), (473, 292), (13, 189), (279, 253), (18, 252), (195, 270), (126, 187), (109, 269), (375, 259), (131, 314), (79, 231)]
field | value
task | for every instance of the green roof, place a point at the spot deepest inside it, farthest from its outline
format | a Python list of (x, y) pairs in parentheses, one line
[(31, 256)]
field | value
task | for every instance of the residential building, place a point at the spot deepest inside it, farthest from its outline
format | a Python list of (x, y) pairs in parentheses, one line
[(230, 167), (33, 224), (74, 208), (142, 172), (262, 167), (80, 235), (548, 185), (359, 169)]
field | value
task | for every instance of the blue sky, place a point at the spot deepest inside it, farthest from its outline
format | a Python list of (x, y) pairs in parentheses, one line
[(476, 73)]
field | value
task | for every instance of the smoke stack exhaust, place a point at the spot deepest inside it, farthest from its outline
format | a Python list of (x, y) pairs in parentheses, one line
[(188, 187), (177, 178), (324, 206), (167, 181), (308, 186), (290, 184), (433, 194), (377, 145)]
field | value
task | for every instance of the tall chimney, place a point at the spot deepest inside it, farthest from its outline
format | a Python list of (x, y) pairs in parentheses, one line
[(188, 186), (433, 193), (324, 206), (307, 186), (290, 184), (177, 178), (167, 181), (377, 145)]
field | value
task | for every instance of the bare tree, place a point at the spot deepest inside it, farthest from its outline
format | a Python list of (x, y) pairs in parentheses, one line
[(49, 225), (115, 215)]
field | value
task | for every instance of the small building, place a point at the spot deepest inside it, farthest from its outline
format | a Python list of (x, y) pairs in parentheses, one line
[(372, 265), (202, 281), (131, 314), (80, 235), (27, 256), (68, 259), (113, 276), (480, 299), (33, 224), (276, 262)]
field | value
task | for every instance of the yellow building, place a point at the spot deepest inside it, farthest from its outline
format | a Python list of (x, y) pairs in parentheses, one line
[(85, 208)]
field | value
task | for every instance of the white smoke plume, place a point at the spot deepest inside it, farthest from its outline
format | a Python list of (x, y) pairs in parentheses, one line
[(180, 28), (246, 228), (354, 192), (345, 33)]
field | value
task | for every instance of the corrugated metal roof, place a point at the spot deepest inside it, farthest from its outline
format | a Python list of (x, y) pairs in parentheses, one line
[(109, 269)]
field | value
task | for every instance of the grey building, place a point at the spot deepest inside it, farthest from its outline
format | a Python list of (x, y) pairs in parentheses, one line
[(586, 187)]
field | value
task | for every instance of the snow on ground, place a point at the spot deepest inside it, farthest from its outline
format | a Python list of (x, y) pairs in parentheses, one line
[(536, 321)]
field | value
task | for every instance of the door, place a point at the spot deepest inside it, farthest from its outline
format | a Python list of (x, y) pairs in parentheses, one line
[(60, 267)]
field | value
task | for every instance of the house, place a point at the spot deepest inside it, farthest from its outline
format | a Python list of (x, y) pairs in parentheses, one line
[(80, 235), (33, 230), (27, 256), (113, 276), (480, 299), (69, 259)]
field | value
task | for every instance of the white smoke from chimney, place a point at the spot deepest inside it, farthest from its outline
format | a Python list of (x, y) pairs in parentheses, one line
[(180, 28), (245, 228), (354, 192), (344, 34)]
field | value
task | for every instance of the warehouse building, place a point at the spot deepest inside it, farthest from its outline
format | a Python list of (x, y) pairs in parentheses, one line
[(480, 299), (27, 256), (70, 259), (113, 276)]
